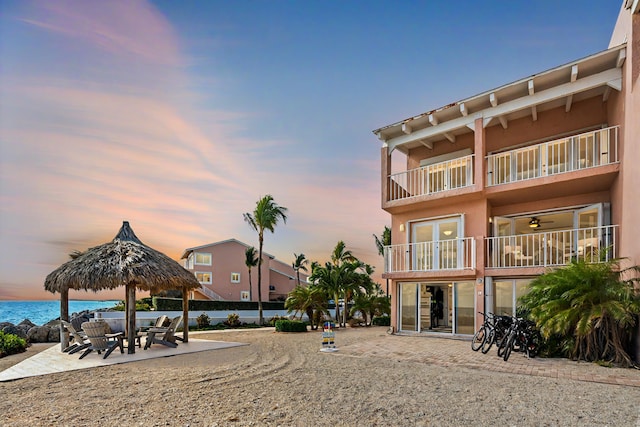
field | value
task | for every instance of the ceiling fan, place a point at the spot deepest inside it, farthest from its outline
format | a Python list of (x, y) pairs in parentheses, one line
[(535, 222)]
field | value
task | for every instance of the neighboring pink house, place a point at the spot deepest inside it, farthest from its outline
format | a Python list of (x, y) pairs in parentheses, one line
[(502, 185), (220, 268)]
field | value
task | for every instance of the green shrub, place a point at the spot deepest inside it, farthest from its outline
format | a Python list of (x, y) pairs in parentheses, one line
[(143, 304), (203, 320), (233, 319), (290, 326), (381, 321), (274, 319), (11, 344)]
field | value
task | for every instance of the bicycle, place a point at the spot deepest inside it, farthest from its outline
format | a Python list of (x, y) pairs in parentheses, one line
[(522, 336), (497, 332), (481, 334)]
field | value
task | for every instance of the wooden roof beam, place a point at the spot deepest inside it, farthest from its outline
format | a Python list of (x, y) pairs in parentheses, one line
[(406, 128), (567, 105), (427, 144), (493, 99), (451, 137), (433, 120), (503, 121), (463, 109)]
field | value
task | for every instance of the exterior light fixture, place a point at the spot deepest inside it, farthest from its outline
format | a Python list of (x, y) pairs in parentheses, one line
[(534, 223)]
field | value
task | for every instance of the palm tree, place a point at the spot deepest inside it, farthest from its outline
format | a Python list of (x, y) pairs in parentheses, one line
[(591, 308), (381, 242), (341, 255), (311, 300), (299, 264), (251, 260), (265, 216)]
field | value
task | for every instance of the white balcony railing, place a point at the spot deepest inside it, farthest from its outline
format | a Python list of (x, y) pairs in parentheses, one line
[(454, 254), (443, 176), (552, 248), (583, 151)]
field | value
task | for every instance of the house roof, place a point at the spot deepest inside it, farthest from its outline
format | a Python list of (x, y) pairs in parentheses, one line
[(195, 248), (594, 75)]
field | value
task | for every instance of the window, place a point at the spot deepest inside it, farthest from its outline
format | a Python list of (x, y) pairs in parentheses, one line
[(235, 277), (204, 277), (244, 296), (203, 258)]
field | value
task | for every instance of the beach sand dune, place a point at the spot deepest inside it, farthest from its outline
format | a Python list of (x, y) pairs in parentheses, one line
[(284, 380)]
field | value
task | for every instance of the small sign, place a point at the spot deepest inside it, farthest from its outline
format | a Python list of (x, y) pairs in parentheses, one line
[(328, 337)]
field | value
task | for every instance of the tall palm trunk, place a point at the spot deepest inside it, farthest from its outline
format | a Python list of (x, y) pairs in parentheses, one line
[(260, 241)]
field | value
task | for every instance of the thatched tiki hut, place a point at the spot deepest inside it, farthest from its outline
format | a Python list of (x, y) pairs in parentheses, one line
[(125, 261)]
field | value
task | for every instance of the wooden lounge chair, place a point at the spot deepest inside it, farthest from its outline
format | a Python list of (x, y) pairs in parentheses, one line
[(142, 330), (100, 341), (78, 339), (165, 336)]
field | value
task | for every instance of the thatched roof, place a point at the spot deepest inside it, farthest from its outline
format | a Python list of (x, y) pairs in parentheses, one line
[(124, 261)]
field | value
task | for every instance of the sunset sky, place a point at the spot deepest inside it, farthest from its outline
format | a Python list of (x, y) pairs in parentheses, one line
[(179, 116)]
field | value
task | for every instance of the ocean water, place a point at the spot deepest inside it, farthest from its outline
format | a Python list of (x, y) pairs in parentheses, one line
[(40, 312)]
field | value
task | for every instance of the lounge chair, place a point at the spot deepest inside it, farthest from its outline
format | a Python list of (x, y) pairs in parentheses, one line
[(165, 336), (100, 341), (142, 330), (78, 339)]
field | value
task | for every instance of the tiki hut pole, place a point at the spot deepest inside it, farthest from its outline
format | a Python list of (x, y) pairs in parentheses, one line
[(131, 318), (185, 314), (64, 315)]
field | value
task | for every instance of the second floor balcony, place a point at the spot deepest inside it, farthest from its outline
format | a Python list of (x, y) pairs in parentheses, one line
[(437, 255)]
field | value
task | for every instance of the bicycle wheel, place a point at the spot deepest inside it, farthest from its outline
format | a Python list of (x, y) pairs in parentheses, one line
[(533, 344), (509, 347), (503, 343), (478, 339), (488, 341)]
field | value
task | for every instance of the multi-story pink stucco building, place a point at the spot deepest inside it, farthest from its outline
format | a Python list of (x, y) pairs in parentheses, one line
[(502, 185), (220, 268)]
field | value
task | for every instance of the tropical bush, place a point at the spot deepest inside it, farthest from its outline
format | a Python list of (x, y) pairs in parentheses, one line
[(233, 319), (203, 320), (290, 326), (381, 321), (11, 344), (587, 311), (144, 304)]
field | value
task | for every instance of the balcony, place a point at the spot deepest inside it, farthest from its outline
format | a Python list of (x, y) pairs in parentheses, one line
[(435, 178), (552, 248), (573, 153), (440, 255)]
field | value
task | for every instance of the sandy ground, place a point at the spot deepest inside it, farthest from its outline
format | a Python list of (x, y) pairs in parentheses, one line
[(284, 380)]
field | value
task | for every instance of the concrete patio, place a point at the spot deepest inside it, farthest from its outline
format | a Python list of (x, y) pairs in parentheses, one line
[(53, 360)]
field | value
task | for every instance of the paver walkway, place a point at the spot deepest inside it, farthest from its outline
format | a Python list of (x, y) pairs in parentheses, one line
[(457, 353)]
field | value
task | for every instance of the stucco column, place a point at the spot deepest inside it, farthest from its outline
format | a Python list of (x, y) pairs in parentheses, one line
[(385, 158), (479, 150)]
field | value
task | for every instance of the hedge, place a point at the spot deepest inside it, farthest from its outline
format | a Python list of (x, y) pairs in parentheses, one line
[(290, 326), (175, 304)]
